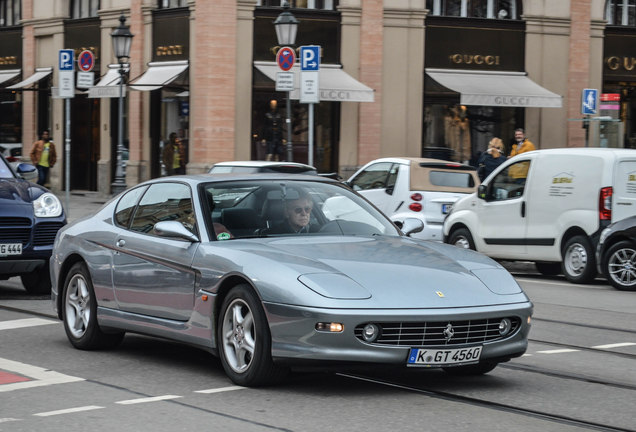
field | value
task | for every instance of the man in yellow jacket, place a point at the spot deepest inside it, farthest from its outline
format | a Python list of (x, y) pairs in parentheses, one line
[(519, 172), (43, 156)]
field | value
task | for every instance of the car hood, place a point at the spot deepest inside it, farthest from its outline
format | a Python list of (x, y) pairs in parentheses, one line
[(389, 272), (15, 192)]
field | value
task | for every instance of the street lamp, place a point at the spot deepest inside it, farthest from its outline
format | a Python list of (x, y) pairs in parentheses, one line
[(286, 26), (122, 39)]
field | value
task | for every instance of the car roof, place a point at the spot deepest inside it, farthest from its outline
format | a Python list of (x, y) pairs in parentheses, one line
[(211, 178), (260, 164)]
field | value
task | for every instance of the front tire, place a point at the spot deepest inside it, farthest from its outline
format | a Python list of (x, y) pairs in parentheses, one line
[(462, 238), (475, 369), (619, 266), (80, 312), (579, 264), (244, 340), (38, 282)]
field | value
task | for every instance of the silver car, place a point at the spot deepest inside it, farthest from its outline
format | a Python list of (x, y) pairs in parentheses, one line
[(270, 271)]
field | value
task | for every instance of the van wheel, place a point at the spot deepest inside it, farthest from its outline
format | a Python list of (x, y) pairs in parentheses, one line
[(462, 239), (548, 268), (579, 264)]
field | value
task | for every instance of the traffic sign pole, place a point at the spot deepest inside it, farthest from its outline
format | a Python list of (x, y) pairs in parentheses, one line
[(286, 57), (67, 91), (310, 89)]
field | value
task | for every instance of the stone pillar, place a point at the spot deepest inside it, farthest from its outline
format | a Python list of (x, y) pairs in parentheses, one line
[(213, 76), (243, 135)]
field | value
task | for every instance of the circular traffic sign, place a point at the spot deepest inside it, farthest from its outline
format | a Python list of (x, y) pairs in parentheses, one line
[(86, 61), (286, 57)]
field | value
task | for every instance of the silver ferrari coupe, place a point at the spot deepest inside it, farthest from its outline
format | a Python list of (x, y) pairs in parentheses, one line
[(271, 271)]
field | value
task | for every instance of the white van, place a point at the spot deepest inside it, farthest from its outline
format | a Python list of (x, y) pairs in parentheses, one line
[(548, 206)]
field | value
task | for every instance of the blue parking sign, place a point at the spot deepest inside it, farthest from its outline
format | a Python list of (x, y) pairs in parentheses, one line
[(66, 60), (310, 58), (588, 101)]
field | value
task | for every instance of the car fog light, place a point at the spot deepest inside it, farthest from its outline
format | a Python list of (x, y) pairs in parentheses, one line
[(504, 326), (370, 332), (330, 327)]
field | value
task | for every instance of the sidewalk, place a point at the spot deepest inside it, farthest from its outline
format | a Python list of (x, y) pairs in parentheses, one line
[(81, 203)]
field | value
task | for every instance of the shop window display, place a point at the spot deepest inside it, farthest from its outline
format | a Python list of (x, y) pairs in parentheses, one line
[(493, 9)]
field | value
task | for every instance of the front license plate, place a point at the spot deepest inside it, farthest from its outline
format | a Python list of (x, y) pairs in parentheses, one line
[(446, 208), (10, 249), (443, 357)]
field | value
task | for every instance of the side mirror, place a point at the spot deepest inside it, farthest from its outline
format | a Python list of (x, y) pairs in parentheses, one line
[(412, 226), (174, 229), (481, 191), (27, 171), (389, 190)]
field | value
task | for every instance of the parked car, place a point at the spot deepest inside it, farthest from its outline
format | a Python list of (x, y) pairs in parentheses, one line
[(197, 259), (246, 167), (30, 217), (548, 206), (11, 151), (616, 254), (415, 187)]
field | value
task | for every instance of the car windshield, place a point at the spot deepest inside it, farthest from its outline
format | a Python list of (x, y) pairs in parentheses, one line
[(268, 208), (5, 171)]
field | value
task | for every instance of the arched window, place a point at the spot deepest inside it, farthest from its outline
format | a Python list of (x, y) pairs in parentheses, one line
[(493, 9), (84, 8), (621, 12)]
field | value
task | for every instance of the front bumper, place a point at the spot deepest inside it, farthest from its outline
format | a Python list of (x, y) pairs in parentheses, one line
[(295, 339)]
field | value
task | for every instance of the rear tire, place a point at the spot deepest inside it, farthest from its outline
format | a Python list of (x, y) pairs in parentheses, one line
[(548, 268), (579, 264), (38, 282), (475, 369), (462, 239), (80, 312), (619, 265)]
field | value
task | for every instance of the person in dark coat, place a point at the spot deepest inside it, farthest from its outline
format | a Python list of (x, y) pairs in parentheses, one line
[(491, 158)]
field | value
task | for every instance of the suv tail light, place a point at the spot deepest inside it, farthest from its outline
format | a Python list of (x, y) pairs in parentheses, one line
[(605, 204)]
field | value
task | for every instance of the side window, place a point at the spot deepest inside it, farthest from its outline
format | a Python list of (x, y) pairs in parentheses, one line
[(164, 202), (374, 177), (393, 173), (509, 183), (126, 206)]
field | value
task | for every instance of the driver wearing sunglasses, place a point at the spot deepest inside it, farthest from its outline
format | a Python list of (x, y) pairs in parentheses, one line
[(297, 216)]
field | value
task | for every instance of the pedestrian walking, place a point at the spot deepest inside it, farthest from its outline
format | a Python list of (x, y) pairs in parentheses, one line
[(491, 158), (43, 156)]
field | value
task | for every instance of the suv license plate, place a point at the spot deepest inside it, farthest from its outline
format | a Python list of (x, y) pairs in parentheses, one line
[(10, 249), (446, 208), (443, 357)]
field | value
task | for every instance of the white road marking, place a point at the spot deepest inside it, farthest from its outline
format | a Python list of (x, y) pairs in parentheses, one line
[(221, 389), (8, 419), (26, 322), (616, 345), (527, 355), (40, 376), (148, 399), (558, 351), (68, 411)]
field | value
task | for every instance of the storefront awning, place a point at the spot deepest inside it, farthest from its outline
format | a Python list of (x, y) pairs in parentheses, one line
[(158, 75), (335, 84), (9, 74), (108, 85), (502, 89), (39, 74)]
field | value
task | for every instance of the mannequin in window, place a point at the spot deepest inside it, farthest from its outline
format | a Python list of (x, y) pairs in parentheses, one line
[(457, 128), (273, 133)]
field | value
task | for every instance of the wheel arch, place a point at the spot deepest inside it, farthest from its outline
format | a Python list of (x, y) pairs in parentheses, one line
[(455, 227), (226, 286), (69, 262), (571, 232)]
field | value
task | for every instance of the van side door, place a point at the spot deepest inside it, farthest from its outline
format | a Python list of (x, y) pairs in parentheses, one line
[(502, 221), (624, 190)]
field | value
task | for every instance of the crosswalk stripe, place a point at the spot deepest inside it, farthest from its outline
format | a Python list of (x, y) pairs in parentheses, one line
[(558, 351), (68, 411), (219, 390), (148, 399), (615, 345), (26, 322)]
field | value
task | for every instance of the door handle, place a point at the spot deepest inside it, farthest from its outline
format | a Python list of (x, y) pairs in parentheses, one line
[(121, 243), (523, 209)]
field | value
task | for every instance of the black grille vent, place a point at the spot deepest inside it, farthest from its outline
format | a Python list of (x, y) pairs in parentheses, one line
[(45, 233), (14, 222), (19, 235), (432, 333)]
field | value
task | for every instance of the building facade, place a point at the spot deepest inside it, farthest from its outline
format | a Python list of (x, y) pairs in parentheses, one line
[(433, 78)]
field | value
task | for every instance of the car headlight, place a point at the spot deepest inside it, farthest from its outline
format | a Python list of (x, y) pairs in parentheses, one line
[(47, 205), (604, 235)]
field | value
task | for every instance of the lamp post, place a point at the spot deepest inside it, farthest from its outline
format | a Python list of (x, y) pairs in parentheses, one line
[(122, 39), (286, 26)]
